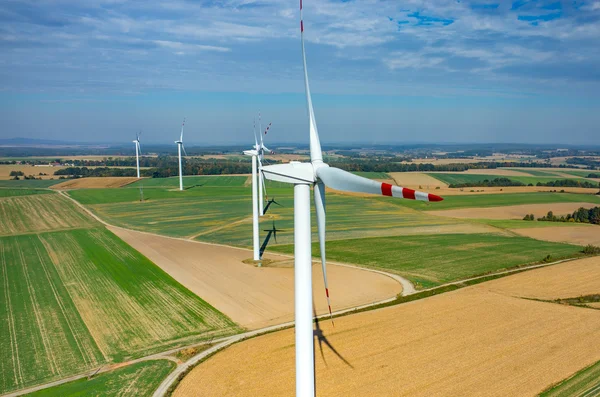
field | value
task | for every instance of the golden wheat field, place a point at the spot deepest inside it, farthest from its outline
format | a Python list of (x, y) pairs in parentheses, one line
[(95, 183), (480, 340)]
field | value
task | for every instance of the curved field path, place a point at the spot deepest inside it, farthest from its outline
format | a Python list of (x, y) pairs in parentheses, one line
[(480, 340), (251, 296)]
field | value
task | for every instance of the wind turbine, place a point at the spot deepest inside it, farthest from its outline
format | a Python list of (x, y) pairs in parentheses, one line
[(179, 148), (255, 236), (261, 155), (317, 174), (138, 151)]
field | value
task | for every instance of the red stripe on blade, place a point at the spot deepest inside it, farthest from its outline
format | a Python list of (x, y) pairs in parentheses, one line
[(408, 193), (327, 292), (433, 197), (301, 26), (300, 4), (386, 189)]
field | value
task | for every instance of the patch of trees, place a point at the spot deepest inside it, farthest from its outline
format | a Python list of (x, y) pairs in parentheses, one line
[(569, 183), (593, 175), (16, 173), (582, 215), (97, 172), (590, 162), (487, 183)]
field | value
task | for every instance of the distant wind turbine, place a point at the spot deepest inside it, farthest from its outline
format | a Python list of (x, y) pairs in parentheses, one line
[(138, 151), (180, 147), (317, 174)]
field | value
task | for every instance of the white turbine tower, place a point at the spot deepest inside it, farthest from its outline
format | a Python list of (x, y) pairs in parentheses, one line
[(137, 152), (255, 236), (317, 174), (180, 147)]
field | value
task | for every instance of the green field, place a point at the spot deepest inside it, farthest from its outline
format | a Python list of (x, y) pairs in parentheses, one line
[(498, 200), (585, 383), (5, 192), (550, 173), (223, 215), (140, 379), (76, 297), (40, 212), (437, 259), (373, 175), (30, 183), (194, 181), (457, 179)]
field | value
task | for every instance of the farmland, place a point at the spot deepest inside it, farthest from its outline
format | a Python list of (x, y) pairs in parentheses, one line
[(139, 379), (584, 383), (483, 339), (78, 298), (39, 212), (464, 178), (29, 183), (498, 200), (21, 192), (432, 260)]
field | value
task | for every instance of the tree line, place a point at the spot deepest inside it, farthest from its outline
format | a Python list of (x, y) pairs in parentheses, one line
[(582, 215)]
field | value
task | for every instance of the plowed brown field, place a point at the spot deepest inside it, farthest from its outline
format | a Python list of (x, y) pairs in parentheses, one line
[(582, 235), (513, 211), (480, 340), (95, 183), (254, 297)]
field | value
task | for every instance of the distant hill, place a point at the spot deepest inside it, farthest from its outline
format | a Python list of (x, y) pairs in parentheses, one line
[(32, 142)]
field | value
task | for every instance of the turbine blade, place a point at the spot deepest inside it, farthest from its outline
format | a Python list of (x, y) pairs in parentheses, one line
[(181, 136), (254, 132), (183, 148), (139, 148), (319, 192), (262, 179), (315, 144), (337, 179)]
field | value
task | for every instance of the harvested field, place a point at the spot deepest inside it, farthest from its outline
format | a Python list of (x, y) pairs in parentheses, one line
[(582, 235), (254, 297), (416, 179), (5, 170), (513, 211), (480, 340), (95, 183), (38, 213), (566, 280)]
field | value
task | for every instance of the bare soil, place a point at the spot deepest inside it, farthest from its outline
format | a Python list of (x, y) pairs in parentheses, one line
[(582, 235), (251, 296), (480, 340), (513, 211)]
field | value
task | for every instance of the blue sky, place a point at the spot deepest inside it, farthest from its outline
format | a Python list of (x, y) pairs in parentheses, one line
[(381, 70)]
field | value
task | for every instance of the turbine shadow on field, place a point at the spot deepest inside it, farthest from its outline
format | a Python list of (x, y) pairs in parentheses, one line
[(322, 339)]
